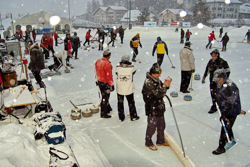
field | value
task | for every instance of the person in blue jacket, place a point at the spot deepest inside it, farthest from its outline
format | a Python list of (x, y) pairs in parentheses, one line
[(228, 100), (161, 49)]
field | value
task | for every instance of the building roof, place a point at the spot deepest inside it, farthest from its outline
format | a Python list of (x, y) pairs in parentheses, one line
[(223, 1), (245, 8), (117, 8), (100, 8), (134, 15)]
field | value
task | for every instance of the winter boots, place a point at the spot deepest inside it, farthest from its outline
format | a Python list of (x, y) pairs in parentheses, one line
[(134, 119), (219, 151), (213, 109), (163, 144)]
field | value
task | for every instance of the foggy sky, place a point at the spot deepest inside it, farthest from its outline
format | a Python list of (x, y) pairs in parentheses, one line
[(56, 7)]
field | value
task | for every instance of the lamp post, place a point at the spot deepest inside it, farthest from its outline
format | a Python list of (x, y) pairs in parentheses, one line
[(69, 9)]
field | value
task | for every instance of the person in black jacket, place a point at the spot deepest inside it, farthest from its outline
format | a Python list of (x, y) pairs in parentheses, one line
[(224, 41), (75, 44), (228, 100), (161, 48), (182, 36), (121, 33), (101, 37), (153, 92), (221, 31), (215, 63), (112, 36)]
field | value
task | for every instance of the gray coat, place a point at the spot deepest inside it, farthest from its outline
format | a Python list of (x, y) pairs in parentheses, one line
[(187, 59), (36, 59)]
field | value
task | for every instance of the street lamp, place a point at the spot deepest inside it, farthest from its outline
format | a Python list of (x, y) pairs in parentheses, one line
[(69, 9)]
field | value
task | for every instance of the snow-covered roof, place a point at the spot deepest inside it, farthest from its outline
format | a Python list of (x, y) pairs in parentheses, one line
[(80, 21), (117, 8), (223, 1), (245, 8), (176, 11), (100, 8), (134, 15)]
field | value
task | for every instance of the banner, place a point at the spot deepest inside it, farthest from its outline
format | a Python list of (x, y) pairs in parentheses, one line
[(186, 24), (174, 23), (149, 24)]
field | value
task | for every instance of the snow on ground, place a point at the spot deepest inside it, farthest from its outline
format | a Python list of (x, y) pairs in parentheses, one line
[(108, 142)]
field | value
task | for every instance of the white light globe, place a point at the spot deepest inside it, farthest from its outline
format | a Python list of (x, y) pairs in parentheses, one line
[(183, 13), (54, 20), (200, 25), (227, 1)]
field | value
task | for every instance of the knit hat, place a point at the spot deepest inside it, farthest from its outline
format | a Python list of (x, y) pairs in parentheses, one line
[(158, 38), (155, 69), (188, 44), (125, 58), (218, 74), (106, 53), (215, 51)]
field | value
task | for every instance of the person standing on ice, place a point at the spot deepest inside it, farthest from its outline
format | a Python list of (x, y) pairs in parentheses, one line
[(67, 47), (76, 44), (216, 62), (161, 48), (45, 44), (224, 41), (188, 34), (187, 66), (87, 36), (112, 37), (182, 35), (221, 31), (228, 100), (211, 37), (134, 43), (105, 82), (153, 92), (56, 37), (121, 33), (125, 87), (36, 62)]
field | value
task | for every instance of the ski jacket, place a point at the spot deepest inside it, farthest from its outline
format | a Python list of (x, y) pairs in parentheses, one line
[(182, 33), (228, 98), (88, 35), (188, 33), (67, 44), (225, 39), (153, 92), (115, 31), (75, 42), (211, 36), (34, 33), (124, 82), (103, 69), (248, 34), (187, 59), (112, 35), (55, 35), (101, 34), (161, 47), (135, 42), (36, 59), (50, 40), (21, 32), (121, 32), (44, 42), (62, 54), (213, 65)]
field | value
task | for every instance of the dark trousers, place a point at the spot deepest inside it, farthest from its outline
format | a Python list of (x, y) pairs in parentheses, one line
[(56, 41), (229, 122), (112, 40), (46, 53), (153, 124), (160, 58), (105, 91), (51, 49), (86, 40), (185, 80), (34, 39), (209, 44), (182, 40), (37, 76), (121, 39), (224, 46), (101, 43), (213, 92), (131, 104), (75, 50), (135, 53)]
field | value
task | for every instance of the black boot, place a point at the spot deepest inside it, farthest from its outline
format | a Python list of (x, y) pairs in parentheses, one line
[(135, 118), (219, 151), (41, 84), (213, 109)]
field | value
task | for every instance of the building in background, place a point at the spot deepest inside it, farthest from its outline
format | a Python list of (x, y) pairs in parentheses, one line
[(173, 15)]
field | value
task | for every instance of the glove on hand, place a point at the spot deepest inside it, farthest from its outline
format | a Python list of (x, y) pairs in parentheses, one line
[(203, 80), (112, 88), (193, 71), (96, 82)]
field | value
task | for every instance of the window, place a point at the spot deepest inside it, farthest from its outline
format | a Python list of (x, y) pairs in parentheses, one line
[(223, 16), (213, 8), (219, 8), (223, 9), (228, 9), (218, 15)]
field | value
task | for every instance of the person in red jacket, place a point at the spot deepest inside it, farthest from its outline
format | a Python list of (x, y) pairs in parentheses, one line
[(55, 37), (21, 33), (188, 33), (44, 44), (211, 37), (105, 82), (67, 47), (50, 44), (87, 37)]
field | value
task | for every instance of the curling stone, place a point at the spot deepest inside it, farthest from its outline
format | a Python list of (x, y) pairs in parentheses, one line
[(67, 71), (174, 94), (94, 109), (86, 113), (188, 97), (50, 73), (76, 114), (44, 75), (31, 75), (93, 47), (58, 73), (197, 77)]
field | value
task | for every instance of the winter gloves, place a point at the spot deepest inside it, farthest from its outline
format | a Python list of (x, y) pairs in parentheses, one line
[(112, 88), (203, 80)]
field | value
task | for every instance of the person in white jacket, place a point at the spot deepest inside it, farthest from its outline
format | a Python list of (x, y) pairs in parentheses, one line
[(187, 66), (60, 59), (125, 87)]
